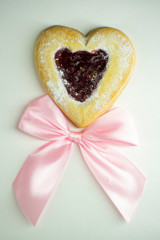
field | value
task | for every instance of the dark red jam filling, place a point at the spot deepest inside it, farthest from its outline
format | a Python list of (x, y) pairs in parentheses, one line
[(81, 71)]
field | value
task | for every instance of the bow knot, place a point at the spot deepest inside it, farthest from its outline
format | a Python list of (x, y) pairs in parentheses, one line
[(40, 173), (74, 136)]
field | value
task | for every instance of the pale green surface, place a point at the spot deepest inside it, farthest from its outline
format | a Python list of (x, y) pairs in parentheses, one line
[(79, 210)]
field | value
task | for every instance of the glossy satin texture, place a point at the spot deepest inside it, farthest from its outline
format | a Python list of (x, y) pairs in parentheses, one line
[(121, 180)]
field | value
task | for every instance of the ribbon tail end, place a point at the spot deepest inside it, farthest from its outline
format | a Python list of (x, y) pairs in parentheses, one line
[(32, 218), (127, 215)]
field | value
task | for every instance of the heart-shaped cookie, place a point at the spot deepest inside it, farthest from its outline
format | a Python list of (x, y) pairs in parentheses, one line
[(84, 75)]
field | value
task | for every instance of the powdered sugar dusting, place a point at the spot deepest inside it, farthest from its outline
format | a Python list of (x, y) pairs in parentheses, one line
[(115, 44), (60, 94), (120, 50), (124, 53)]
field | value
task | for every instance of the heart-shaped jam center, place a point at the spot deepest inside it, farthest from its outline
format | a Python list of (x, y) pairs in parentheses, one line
[(81, 71)]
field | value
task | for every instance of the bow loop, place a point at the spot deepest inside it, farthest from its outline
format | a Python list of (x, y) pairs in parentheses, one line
[(115, 128), (43, 119)]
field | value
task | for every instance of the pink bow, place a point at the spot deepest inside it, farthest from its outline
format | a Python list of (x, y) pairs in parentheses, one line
[(120, 179)]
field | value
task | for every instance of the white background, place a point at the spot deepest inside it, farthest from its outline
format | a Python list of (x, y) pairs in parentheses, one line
[(79, 209)]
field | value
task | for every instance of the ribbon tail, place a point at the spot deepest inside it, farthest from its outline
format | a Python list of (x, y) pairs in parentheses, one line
[(121, 180), (39, 175)]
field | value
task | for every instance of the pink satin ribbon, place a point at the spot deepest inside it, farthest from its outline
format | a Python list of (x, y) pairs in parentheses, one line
[(121, 180)]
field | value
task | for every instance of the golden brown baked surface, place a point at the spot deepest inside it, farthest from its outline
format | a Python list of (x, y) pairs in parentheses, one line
[(117, 74)]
